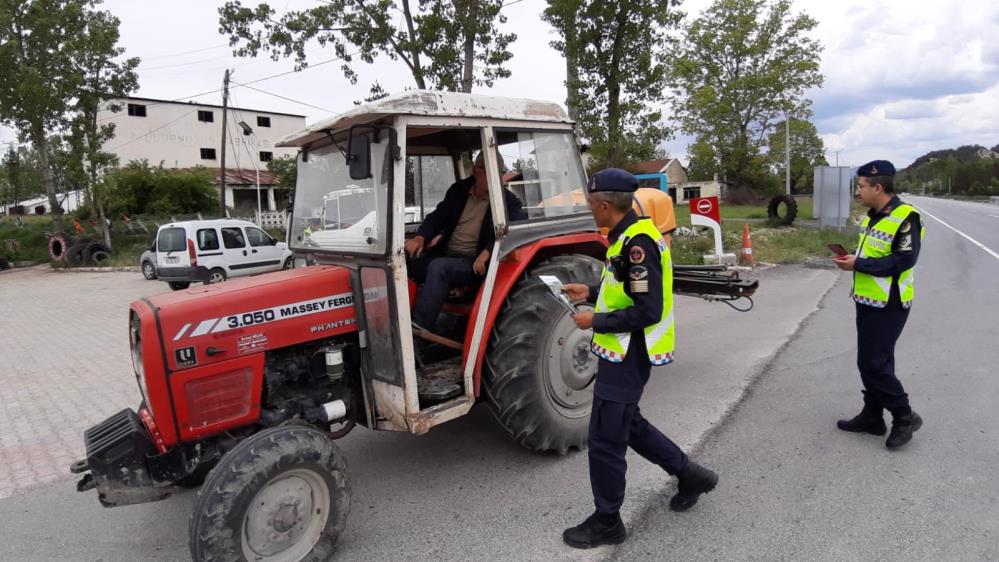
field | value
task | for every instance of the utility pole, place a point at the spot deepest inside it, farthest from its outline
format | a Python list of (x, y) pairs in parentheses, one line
[(787, 154), (225, 114)]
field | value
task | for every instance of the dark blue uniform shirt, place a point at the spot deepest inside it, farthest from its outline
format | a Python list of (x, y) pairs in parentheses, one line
[(904, 249), (624, 382)]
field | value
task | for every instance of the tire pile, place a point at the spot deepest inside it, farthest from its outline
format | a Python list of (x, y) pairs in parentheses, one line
[(78, 252)]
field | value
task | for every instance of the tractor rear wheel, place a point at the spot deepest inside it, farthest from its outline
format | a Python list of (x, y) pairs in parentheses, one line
[(539, 370), (281, 495)]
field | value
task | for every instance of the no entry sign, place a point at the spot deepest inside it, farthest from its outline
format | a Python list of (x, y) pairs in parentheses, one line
[(706, 207)]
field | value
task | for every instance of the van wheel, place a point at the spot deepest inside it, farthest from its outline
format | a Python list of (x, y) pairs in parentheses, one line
[(288, 264), (178, 285), (216, 275), (148, 270), (282, 494), (539, 370)]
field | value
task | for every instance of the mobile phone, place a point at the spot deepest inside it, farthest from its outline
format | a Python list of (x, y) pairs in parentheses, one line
[(837, 249)]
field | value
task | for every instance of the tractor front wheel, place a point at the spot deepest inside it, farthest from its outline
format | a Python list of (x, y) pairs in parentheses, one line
[(539, 370), (281, 495)]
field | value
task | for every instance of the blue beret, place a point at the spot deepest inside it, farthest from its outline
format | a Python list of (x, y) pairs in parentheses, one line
[(876, 168), (613, 179)]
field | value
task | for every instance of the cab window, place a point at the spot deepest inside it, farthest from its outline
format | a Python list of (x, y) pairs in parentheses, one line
[(232, 237)]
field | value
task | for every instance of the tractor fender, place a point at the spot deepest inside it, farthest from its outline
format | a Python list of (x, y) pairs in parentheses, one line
[(510, 271)]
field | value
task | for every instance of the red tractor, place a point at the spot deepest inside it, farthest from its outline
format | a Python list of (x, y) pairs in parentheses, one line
[(247, 384)]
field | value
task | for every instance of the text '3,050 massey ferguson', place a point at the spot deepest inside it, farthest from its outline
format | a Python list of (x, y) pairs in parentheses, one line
[(247, 384)]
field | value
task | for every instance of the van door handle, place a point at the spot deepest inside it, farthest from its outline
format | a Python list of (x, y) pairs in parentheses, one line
[(253, 251), (244, 252)]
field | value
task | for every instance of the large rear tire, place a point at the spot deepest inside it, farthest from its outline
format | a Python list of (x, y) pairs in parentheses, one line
[(281, 495), (785, 216), (539, 370)]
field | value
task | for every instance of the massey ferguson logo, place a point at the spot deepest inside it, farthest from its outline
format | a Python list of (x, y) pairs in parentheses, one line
[(186, 357)]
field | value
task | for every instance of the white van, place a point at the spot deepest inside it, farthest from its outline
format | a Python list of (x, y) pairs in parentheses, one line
[(211, 251)]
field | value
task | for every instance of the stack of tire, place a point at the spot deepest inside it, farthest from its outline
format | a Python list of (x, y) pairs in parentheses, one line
[(78, 252)]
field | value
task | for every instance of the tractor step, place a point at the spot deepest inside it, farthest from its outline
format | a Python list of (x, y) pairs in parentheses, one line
[(440, 381)]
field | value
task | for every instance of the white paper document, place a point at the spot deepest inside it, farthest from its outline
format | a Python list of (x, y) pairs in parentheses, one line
[(555, 287)]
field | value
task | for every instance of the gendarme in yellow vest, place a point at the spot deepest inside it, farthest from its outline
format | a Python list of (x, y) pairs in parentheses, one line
[(875, 242), (659, 337)]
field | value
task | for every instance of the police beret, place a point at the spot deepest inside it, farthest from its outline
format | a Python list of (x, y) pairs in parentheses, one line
[(613, 179), (875, 169)]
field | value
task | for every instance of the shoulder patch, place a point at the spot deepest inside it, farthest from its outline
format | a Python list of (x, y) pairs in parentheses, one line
[(906, 226), (636, 255), (638, 273)]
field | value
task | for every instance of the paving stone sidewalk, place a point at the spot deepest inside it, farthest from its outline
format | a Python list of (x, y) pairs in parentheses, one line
[(64, 365)]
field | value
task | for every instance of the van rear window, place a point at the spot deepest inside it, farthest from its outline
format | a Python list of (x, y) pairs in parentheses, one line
[(172, 240)]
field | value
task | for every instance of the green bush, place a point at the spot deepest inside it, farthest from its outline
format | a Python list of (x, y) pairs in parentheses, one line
[(140, 189)]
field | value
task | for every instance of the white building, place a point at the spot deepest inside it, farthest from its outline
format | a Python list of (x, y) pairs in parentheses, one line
[(187, 134)]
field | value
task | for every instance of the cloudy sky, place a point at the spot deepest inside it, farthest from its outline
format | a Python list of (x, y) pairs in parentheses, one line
[(902, 77)]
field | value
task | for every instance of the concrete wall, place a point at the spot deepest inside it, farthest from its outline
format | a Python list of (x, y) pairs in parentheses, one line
[(171, 133)]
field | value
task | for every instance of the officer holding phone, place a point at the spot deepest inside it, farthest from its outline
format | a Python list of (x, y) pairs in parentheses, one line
[(883, 290), (632, 331)]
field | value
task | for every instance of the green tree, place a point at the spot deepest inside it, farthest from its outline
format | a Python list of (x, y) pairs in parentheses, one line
[(45, 48), (139, 189), (104, 80), (616, 56), (446, 44), (743, 65), (807, 151)]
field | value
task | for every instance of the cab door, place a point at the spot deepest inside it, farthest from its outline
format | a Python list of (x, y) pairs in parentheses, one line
[(264, 253)]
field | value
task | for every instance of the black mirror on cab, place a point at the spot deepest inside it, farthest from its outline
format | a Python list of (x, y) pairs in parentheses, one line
[(359, 156), (273, 241)]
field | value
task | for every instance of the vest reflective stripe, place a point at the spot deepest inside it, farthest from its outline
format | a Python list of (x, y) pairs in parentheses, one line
[(659, 337), (875, 242)]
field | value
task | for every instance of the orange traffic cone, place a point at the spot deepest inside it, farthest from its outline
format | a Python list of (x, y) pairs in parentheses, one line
[(746, 254)]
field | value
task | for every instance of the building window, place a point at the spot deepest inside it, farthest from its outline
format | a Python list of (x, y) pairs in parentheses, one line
[(208, 154), (206, 116), (136, 110), (691, 193), (266, 156), (263, 121)]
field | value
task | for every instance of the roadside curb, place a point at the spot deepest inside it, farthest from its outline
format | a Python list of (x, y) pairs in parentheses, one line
[(117, 269)]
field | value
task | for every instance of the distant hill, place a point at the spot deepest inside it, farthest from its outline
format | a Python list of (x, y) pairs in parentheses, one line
[(967, 170), (967, 153)]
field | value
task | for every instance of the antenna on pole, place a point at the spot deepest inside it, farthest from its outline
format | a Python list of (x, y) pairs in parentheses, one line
[(225, 114)]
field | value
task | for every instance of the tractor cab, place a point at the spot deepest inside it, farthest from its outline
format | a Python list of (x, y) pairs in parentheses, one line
[(366, 181)]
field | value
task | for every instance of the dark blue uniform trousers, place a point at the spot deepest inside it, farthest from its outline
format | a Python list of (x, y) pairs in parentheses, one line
[(877, 331), (615, 426)]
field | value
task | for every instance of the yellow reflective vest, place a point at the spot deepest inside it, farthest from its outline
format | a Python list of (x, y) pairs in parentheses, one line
[(659, 337), (875, 242)]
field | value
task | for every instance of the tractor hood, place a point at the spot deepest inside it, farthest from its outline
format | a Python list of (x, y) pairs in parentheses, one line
[(213, 323)]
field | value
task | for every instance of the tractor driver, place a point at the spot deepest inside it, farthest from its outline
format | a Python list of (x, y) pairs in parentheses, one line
[(454, 242)]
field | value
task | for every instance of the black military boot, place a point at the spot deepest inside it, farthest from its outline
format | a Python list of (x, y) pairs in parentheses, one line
[(694, 480), (598, 529), (870, 420), (902, 428)]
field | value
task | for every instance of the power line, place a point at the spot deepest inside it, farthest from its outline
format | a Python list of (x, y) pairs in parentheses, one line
[(184, 52), (181, 63), (285, 98), (246, 84)]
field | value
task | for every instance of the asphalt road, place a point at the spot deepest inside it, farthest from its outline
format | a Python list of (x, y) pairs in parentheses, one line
[(793, 487), (464, 491)]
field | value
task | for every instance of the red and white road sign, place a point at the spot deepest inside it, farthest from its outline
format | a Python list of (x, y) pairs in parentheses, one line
[(707, 207)]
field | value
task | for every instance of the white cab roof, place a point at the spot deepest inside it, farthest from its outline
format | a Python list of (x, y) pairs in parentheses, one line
[(437, 104)]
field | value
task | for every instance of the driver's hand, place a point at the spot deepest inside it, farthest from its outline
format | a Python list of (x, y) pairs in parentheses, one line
[(576, 291), (414, 246), (481, 262)]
